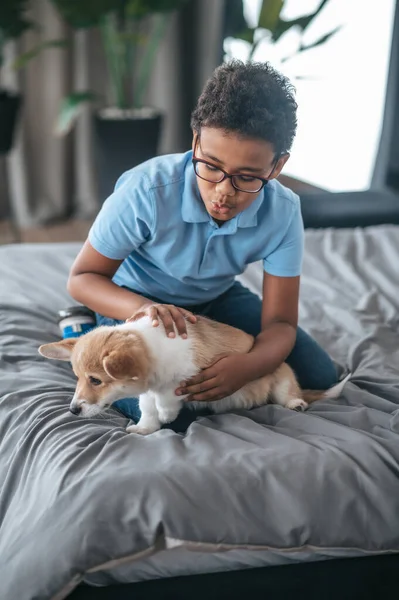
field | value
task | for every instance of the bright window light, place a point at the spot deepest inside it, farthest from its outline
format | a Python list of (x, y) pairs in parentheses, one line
[(340, 90)]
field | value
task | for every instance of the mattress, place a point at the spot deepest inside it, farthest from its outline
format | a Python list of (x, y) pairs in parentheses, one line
[(83, 501)]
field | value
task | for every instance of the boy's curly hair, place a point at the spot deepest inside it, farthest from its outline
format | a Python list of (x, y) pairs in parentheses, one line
[(251, 99)]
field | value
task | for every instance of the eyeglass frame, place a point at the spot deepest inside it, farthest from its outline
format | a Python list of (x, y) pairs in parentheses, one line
[(226, 175)]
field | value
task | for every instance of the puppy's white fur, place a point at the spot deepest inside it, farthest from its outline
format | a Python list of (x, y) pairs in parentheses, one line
[(137, 359)]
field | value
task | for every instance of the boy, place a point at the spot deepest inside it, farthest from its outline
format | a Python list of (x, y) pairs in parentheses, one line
[(178, 229)]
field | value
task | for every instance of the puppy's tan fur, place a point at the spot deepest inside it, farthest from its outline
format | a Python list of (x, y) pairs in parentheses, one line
[(136, 359)]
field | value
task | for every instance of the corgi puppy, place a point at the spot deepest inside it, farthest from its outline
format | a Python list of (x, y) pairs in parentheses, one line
[(135, 359)]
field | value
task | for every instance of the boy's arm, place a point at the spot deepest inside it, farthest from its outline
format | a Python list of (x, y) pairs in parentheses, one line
[(279, 323), (280, 301), (124, 222), (90, 282)]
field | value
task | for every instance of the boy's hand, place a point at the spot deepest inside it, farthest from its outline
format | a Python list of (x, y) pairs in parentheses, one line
[(227, 375), (170, 316)]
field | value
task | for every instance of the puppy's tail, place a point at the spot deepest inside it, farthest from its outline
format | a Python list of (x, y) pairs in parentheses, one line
[(313, 395)]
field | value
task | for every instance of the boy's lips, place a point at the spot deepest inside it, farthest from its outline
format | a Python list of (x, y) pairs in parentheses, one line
[(221, 208)]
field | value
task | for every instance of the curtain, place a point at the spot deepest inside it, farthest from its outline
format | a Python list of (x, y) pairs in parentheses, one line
[(50, 177)]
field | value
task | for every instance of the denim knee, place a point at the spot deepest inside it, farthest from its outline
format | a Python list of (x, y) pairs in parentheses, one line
[(129, 407), (312, 365)]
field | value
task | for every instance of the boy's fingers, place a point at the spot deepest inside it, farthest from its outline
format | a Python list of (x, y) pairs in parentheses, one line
[(189, 315), (154, 316), (167, 320), (198, 388), (170, 316), (179, 321), (136, 316), (204, 375)]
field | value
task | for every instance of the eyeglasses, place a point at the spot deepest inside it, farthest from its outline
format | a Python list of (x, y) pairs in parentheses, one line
[(240, 181)]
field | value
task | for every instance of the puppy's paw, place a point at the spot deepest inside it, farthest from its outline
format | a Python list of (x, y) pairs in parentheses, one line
[(142, 430), (297, 404)]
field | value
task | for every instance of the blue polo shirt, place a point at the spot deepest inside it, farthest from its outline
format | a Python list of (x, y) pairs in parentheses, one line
[(156, 222)]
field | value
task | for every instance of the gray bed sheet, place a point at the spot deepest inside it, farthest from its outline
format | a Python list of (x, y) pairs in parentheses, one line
[(82, 500)]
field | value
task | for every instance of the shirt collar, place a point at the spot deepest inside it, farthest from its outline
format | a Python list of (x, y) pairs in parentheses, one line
[(249, 216), (194, 211)]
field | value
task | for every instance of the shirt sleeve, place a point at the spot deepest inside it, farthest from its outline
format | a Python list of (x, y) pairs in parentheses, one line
[(286, 259), (126, 218)]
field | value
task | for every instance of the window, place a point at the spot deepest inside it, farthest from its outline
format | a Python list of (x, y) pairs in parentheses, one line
[(340, 87)]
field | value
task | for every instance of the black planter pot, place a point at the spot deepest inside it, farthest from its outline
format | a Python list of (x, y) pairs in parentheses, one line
[(122, 142), (9, 106)]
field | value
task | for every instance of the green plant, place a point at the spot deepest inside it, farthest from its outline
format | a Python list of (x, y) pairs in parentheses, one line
[(12, 22), (271, 26), (131, 31)]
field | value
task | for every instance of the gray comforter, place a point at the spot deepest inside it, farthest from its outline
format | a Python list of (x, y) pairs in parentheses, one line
[(82, 496)]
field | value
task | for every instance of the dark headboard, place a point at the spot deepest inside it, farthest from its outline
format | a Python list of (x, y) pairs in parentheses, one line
[(350, 209)]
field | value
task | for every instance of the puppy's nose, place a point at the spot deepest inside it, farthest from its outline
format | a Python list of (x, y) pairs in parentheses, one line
[(75, 410)]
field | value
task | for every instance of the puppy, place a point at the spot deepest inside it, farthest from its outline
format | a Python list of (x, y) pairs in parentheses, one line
[(136, 359)]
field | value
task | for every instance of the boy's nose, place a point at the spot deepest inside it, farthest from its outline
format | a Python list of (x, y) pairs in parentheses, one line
[(226, 188), (75, 409)]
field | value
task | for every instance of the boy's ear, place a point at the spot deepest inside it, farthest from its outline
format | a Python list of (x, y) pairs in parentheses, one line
[(279, 165), (59, 350)]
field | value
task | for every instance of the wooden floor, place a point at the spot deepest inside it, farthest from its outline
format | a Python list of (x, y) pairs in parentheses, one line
[(67, 231)]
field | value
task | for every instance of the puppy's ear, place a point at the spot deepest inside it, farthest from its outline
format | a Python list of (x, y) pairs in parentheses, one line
[(59, 350), (120, 364)]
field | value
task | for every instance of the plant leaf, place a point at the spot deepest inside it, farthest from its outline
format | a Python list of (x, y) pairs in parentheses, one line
[(234, 18), (321, 40), (318, 42), (282, 26), (270, 13), (22, 60), (132, 38), (82, 14), (246, 34), (138, 9), (89, 13), (71, 107), (12, 18)]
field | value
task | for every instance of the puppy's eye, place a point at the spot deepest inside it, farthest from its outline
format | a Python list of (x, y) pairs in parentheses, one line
[(95, 381)]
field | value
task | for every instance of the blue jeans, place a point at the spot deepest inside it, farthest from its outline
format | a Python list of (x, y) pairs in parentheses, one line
[(241, 308)]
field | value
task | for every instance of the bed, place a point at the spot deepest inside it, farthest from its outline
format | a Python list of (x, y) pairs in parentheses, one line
[(259, 503)]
